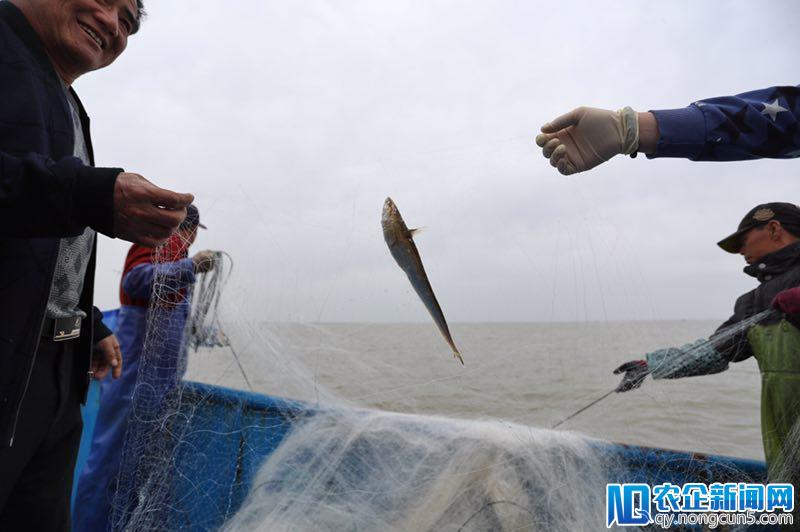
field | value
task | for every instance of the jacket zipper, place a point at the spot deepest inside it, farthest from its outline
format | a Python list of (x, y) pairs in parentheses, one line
[(33, 360)]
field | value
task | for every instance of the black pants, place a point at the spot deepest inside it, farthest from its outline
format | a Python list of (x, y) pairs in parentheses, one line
[(36, 473)]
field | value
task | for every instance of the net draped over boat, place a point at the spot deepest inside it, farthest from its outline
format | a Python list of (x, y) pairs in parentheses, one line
[(312, 459)]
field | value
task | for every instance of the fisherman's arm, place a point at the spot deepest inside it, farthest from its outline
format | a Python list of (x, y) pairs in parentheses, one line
[(752, 125), (138, 283), (756, 124), (705, 357), (701, 357), (106, 355), (40, 197), (697, 358), (100, 329)]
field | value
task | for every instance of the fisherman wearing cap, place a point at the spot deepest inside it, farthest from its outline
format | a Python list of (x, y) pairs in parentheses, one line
[(768, 238), (167, 273)]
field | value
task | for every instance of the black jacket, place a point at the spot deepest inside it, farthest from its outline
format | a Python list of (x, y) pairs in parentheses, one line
[(45, 194), (775, 272)]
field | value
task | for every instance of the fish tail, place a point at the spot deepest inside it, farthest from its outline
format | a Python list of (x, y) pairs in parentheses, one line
[(457, 355)]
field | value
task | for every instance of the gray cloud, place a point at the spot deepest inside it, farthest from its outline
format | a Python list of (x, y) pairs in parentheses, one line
[(291, 121)]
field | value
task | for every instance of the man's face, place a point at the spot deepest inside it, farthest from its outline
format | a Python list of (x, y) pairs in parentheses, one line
[(85, 35), (760, 241)]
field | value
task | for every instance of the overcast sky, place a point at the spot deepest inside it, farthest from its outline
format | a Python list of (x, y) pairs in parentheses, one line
[(292, 121)]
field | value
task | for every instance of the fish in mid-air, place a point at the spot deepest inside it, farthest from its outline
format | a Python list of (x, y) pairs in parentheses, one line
[(401, 243)]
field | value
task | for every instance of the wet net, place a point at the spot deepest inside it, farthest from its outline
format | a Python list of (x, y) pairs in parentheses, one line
[(271, 440)]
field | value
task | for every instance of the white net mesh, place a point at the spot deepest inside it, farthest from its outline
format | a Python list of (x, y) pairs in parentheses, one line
[(324, 451), (145, 470), (371, 470)]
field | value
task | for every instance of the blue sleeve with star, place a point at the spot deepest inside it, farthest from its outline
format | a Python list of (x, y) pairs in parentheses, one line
[(752, 125)]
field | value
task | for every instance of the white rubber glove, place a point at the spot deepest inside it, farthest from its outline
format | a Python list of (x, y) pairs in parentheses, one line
[(586, 137)]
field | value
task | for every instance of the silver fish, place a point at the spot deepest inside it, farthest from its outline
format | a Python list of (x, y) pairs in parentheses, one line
[(401, 243)]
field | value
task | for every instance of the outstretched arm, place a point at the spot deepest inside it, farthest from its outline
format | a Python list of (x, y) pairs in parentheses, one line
[(698, 358), (757, 124)]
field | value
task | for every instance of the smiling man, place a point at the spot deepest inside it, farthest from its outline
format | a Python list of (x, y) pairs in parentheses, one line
[(53, 201), (80, 36), (768, 238)]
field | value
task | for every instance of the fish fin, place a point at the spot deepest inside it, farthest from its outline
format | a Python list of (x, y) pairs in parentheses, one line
[(415, 231)]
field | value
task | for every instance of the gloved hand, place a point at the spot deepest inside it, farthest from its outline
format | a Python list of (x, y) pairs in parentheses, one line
[(787, 301), (635, 372), (204, 261), (586, 137)]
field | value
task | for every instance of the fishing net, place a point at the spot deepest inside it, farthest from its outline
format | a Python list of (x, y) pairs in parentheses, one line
[(179, 318), (370, 470), (203, 327), (316, 454)]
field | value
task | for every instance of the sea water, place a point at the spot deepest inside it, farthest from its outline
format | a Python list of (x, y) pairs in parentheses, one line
[(533, 374)]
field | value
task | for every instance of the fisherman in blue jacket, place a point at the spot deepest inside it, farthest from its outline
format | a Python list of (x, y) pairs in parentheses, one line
[(52, 202), (167, 275), (753, 125)]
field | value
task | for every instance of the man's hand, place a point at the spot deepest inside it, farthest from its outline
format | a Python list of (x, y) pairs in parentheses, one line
[(635, 373), (586, 137), (204, 261), (787, 301), (144, 213), (107, 355)]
